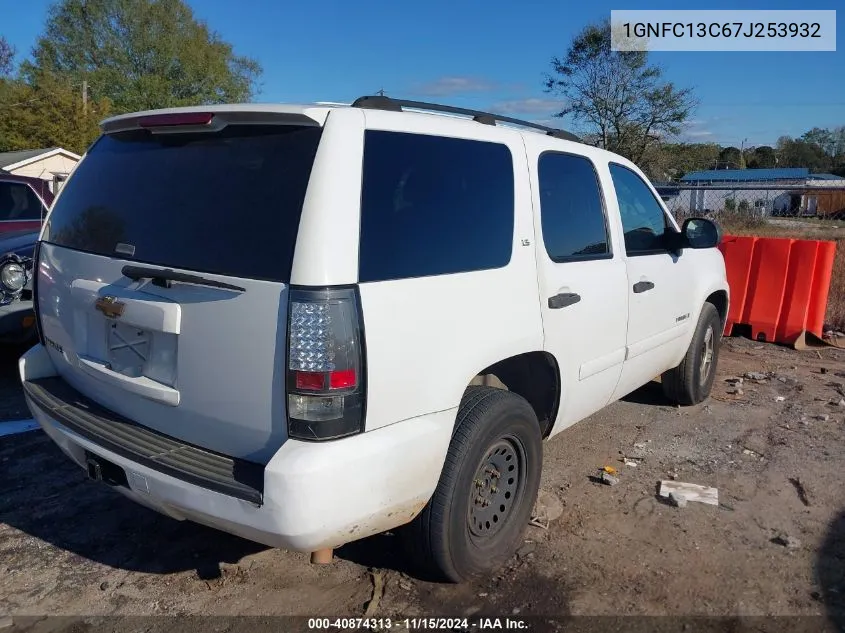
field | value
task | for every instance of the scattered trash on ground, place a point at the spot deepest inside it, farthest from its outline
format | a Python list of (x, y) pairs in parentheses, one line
[(755, 375), (607, 476), (546, 509), (630, 462), (780, 399), (526, 550), (800, 489), (678, 500), (691, 492), (789, 542), (378, 591)]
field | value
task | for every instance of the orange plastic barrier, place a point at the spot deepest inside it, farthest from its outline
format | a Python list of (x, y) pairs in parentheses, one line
[(779, 287)]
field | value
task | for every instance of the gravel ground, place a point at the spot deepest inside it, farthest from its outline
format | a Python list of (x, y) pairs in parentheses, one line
[(774, 546)]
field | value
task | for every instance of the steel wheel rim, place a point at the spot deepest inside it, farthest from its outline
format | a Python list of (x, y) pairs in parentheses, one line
[(707, 350), (496, 488)]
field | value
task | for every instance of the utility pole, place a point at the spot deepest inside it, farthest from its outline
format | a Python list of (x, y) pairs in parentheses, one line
[(85, 96)]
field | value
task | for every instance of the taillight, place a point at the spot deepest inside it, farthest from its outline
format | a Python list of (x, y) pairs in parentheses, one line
[(35, 265), (176, 119), (325, 374)]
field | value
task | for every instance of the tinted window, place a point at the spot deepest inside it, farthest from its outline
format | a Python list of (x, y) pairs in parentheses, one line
[(226, 202), (571, 208), (643, 220), (432, 205), (19, 202)]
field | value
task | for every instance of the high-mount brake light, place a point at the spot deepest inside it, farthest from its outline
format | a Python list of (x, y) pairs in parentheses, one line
[(176, 119), (325, 386)]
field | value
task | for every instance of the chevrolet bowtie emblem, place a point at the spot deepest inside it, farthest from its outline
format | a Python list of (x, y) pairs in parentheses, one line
[(110, 306)]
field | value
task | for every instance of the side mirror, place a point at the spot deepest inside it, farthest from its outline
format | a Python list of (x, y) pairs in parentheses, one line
[(701, 233)]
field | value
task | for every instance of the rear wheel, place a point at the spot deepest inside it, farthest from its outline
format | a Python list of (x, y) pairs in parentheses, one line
[(690, 382), (488, 487)]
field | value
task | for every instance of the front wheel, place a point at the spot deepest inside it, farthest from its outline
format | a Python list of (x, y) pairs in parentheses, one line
[(487, 489), (690, 382)]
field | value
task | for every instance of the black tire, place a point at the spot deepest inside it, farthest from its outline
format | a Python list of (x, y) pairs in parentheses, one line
[(496, 455), (690, 382)]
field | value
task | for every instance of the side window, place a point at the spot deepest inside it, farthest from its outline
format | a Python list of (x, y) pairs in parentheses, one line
[(571, 209), (432, 205), (18, 202), (643, 220)]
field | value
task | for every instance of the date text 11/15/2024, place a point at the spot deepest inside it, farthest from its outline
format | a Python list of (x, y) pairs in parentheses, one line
[(412, 624)]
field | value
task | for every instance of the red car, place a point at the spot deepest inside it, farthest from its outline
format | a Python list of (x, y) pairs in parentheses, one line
[(24, 202)]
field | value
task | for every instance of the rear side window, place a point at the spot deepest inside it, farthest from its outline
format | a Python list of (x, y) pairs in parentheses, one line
[(571, 208), (18, 202), (432, 205), (226, 202), (643, 220)]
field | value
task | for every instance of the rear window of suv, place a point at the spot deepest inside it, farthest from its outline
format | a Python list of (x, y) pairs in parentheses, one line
[(227, 202)]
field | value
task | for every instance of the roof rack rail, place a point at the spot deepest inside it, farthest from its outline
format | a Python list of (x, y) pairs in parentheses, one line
[(379, 102)]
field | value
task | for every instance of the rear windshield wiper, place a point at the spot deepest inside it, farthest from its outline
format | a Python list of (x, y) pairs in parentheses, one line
[(163, 278)]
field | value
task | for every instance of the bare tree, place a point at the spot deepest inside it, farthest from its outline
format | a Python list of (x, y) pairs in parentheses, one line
[(616, 96)]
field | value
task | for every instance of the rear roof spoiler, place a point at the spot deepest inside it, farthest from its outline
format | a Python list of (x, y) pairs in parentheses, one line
[(212, 119)]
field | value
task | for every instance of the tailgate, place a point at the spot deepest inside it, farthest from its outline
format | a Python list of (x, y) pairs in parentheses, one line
[(195, 346)]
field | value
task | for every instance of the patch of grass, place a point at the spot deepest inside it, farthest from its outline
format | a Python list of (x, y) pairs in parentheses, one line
[(807, 229)]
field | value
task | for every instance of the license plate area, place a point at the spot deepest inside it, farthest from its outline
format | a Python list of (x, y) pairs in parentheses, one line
[(99, 469), (128, 348)]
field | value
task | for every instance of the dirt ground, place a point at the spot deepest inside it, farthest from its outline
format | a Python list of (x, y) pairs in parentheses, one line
[(775, 451)]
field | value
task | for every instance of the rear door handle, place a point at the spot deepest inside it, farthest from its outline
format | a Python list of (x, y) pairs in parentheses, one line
[(563, 299), (643, 286)]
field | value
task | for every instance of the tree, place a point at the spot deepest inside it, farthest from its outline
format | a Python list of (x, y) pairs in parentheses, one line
[(800, 153), (670, 161), (7, 57), (762, 157), (141, 54), (730, 158), (822, 138), (47, 113), (616, 96), (839, 142)]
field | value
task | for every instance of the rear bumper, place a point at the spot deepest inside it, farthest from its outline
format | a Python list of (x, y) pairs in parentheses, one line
[(315, 495)]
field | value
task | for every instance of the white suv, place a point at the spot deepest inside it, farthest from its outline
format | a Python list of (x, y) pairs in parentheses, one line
[(309, 324)]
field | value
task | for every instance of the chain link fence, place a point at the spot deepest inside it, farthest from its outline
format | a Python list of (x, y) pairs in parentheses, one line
[(755, 201)]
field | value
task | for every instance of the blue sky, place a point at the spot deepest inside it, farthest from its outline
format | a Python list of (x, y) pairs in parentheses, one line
[(493, 55)]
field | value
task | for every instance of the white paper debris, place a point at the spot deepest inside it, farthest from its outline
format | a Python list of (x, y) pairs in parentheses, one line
[(691, 492)]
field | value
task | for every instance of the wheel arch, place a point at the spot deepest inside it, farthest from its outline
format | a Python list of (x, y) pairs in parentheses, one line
[(533, 375), (720, 300)]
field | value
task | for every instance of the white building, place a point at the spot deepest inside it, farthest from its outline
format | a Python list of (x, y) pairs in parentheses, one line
[(52, 164), (785, 191)]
